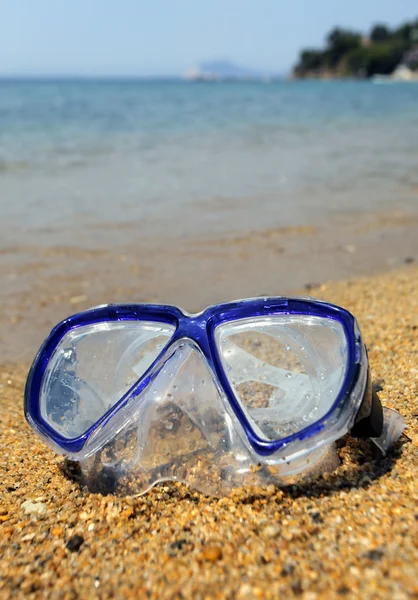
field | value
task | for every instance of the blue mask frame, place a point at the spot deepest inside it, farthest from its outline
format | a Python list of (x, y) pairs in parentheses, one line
[(201, 329)]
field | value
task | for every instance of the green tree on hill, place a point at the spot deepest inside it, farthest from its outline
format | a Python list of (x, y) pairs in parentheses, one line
[(312, 59), (379, 33), (379, 59), (339, 43), (348, 53)]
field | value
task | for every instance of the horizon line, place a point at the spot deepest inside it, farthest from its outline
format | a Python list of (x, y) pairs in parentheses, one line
[(121, 77)]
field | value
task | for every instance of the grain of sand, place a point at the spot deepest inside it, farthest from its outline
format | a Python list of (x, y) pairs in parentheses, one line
[(350, 533)]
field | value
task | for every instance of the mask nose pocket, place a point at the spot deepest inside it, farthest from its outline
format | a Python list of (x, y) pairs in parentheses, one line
[(181, 413), (180, 429)]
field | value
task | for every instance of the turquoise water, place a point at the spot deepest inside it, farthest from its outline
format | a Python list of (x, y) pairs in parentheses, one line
[(180, 157)]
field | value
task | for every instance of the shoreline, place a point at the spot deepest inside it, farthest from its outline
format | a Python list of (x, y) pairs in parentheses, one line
[(45, 284), (349, 533)]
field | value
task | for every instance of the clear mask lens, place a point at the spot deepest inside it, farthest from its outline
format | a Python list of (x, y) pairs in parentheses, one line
[(93, 367), (286, 370)]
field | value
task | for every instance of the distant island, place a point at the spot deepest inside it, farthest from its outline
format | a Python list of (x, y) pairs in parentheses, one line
[(222, 70), (382, 53)]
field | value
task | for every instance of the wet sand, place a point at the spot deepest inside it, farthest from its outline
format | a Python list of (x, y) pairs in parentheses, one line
[(42, 284), (351, 533)]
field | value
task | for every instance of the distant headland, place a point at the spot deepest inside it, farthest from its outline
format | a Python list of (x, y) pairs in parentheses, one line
[(382, 53), (225, 70)]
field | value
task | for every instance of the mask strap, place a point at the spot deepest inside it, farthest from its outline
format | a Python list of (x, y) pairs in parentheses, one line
[(369, 419), (383, 425)]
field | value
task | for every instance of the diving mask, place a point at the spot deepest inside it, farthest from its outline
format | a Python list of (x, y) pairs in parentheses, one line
[(250, 392)]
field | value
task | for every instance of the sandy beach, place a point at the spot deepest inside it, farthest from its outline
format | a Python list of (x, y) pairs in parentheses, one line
[(350, 533), (124, 178)]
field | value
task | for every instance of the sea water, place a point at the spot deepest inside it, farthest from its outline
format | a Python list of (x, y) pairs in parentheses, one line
[(182, 158)]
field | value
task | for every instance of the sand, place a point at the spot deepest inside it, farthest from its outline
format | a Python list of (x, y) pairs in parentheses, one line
[(45, 281), (350, 533)]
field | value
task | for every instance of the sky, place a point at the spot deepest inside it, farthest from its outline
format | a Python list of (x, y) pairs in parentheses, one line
[(166, 37)]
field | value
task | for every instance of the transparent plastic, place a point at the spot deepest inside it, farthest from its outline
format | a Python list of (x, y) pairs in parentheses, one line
[(152, 404), (93, 367), (393, 426), (181, 428), (286, 370)]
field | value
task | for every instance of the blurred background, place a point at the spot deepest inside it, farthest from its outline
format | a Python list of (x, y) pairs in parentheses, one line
[(197, 152)]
